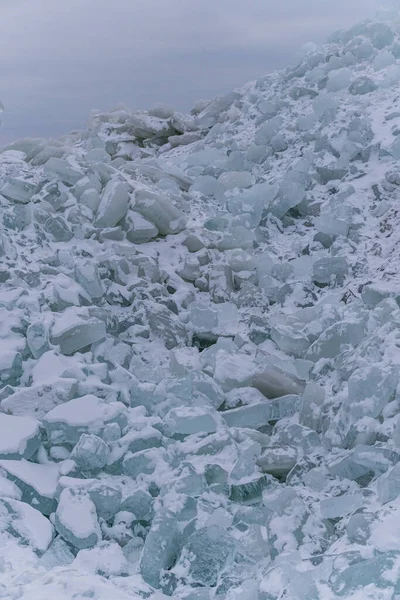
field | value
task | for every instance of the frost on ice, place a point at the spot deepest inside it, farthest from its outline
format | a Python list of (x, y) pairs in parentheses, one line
[(199, 343)]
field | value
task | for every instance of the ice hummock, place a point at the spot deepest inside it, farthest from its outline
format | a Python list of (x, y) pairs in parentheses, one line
[(199, 342)]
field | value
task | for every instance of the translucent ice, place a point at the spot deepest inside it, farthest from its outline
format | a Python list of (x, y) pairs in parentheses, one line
[(113, 205), (160, 211), (138, 229), (338, 79), (58, 168), (161, 548), (18, 190)]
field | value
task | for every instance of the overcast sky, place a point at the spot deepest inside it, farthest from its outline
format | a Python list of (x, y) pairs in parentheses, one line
[(60, 58)]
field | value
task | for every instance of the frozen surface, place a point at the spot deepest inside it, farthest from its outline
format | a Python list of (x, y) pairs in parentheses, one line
[(199, 343)]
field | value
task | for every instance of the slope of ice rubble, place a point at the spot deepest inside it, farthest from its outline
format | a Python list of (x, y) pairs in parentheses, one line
[(199, 343)]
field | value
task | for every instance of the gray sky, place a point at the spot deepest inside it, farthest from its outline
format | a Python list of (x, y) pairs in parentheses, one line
[(60, 58)]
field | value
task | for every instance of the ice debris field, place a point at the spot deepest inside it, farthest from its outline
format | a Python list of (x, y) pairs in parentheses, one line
[(200, 343)]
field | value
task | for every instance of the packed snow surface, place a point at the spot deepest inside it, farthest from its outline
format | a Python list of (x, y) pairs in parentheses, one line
[(200, 343)]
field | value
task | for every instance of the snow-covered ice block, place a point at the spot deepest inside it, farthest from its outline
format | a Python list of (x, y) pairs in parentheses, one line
[(235, 179), (18, 190), (113, 205), (106, 498), (38, 483), (90, 453), (73, 332), (160, 211), (19, 437), (37, 400), (76, 519), (89, 414), (233, 370), (25, 523), (58, 168)]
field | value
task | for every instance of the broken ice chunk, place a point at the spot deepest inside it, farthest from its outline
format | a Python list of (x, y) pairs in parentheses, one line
[(73, 332), (233, 370), (383, 60), (87, 276), (340, 506), (37, 339), (91, 199), (26, 523), (38, 483), (142, 462), (90, 453), (19, 437), (138, 229), (358, 528), (326, 269), (208, 552), (113, 205), (57, 555), (277, 460), (249, 453), (330, 342), (59, 229), (289, 341), (161, 548), (58, 168), (76, 519), (338, 79), (362, 85), (332, 226), (185, 421), (235, 179), (160, 211), (273, 381), (388, 485), (18, 190), (89, 414), (255, 416)]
